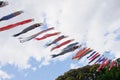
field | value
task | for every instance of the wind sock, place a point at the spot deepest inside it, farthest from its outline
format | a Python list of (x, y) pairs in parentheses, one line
[(78, 53), (111, 65), (118, 60), (3, 3), (106, 63), (28, 29), (81, 53), (88, 52), (62, 44), (91, 54), (66, 51), (117, 64), (94, 58), (101, 65), (48, 35), (57, 39), (99, 59), (22, 40), (15, 24), (70, 45), (11, 15)]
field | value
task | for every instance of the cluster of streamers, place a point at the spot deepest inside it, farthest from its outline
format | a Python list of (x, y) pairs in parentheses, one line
[(91, 54), (107, 62), (97, 58)]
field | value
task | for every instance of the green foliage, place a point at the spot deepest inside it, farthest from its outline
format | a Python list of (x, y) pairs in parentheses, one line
[(89, 73)]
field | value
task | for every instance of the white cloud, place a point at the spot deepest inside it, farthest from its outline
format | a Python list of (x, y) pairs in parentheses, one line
[(73, 66), (91, 20), (34, 68), (4, 75)]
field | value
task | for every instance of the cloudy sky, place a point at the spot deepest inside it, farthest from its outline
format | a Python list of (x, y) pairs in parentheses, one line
[(93, 23)]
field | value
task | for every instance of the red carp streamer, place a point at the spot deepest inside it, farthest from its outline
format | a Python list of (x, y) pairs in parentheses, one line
[(62, 44), (48, 35), (81, 53), (15, 24)]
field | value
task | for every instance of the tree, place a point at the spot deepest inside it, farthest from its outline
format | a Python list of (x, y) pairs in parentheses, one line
[(89, 73)]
